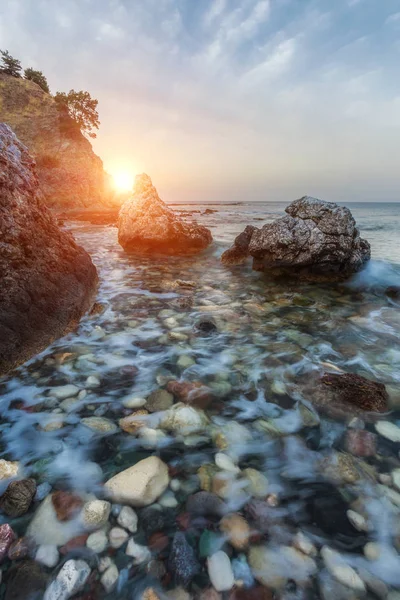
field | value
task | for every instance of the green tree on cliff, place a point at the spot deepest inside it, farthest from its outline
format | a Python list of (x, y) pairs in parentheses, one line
[(10, 65), (37, 77), (81, 108)]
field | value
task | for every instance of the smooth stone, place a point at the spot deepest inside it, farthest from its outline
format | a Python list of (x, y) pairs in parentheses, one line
[(140, 554), (47, 555), (357, 520), (70, 580), (185, 362), (151, 438), (117, 537), (372, 551), (46, 529), (220, 571), (99, 424), (388, 430), (92, 382), (128, 519), (159, 400), (109, 578), (104, 563), (273, 566), (302, 543), (8, 469), (95, 514), (340, 570), (182, 561), (133, 402), (237, 530), (168, 500), (97, 541), (184, 420), (64, 391), (141, 484), (42, 491), (18, 497), (224, 462), (258, 483)]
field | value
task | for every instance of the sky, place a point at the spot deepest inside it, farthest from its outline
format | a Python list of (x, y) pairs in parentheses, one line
[(233, 100)]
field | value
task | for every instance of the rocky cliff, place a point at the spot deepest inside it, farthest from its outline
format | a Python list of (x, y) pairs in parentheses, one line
[(47, 281), (70, 173)]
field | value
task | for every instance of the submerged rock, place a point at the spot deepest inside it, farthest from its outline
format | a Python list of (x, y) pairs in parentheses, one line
[(316, 240), (239, 252), (46, 280), (147, 226), (18, 497), (348, 390), (25, 580), (182, 560), (141, 484)]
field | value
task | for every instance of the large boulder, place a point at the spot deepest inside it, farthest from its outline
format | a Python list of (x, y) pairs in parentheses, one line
[(47, 281), (147, 226), (316, 240)]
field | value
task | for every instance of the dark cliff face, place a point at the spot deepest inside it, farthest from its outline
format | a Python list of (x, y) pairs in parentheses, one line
[(70, 173), (47, 281)]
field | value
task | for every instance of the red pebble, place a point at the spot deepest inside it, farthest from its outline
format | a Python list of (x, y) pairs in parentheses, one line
[(76, 542), (360, 442)]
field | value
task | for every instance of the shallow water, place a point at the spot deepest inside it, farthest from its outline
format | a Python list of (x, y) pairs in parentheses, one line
[(269, 339)]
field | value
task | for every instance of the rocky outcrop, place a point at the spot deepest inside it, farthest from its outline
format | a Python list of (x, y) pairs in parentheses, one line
[(316, 240), (239, 252), (47, 281), (70, 173), (147, 226)]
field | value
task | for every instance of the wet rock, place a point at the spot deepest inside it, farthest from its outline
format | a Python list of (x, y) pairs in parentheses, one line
[(348, 389), (388, 430), (159, 400), (95, 513), (97, 542), (47, 281), (315, 241), (152, 519), (45, 528), (47, 555), (100, 425), (140, 554), (206, 475), (74, 543), (193, 393), (117, 537), (205, 326), (340, 570), (109, 578), (20, 548), (257, 483), (8, 469), (18, 497), (62, 392), (273, 566), (239, 252), (360, 442), (7, 536), (132, 423), (147, 226), (182, 560), (339, 468), (141, 484), (66, 505), (256, 593), (69, 581), (220, 571), (224, 462), (205, 503), (184, 420), (26, 580), (237, 530), (128, 519), (209, 543)]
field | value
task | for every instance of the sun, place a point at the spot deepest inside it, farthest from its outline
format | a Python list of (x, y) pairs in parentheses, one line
[(123, 181)]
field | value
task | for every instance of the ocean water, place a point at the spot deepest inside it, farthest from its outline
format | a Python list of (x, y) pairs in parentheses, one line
[(258, 348)]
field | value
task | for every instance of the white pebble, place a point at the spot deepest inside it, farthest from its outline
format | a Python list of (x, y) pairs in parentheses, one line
[(133, 402), (388, 430), (47, 554), (340, 570), (97, 542), (140, 554), (220, 571), (92, 382), (168, 500), (117, 537), (104, 563), (109, 578), (302, 543), (64, 391), (357, 520), (175, 485), (128, 519), (224, 462), (70, 580)]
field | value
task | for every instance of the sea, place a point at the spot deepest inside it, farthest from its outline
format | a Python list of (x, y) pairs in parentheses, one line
[(315, 491)]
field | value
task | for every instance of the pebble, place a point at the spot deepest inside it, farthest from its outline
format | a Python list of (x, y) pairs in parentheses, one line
[(47, 554), (184, 420), (64, 391), (8, 469), (168, 500), (341, 571), (133, 402), (258, 483), (140, 554), (141, 484), (302, 543), (97, 542), (109, 578), (184, 362), (237, 530), (388, 430), (95, 514), (128, 519), (396, 478), (220, 571), (70, 580), (92, 382), (357, 520), (99, 424), (372, 551), (175, 485), (104, 563), (224, 462), (117, 537)]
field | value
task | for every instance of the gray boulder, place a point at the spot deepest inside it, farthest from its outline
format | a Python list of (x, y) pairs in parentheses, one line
[(47, 281), (147, 226), (316, 240)]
